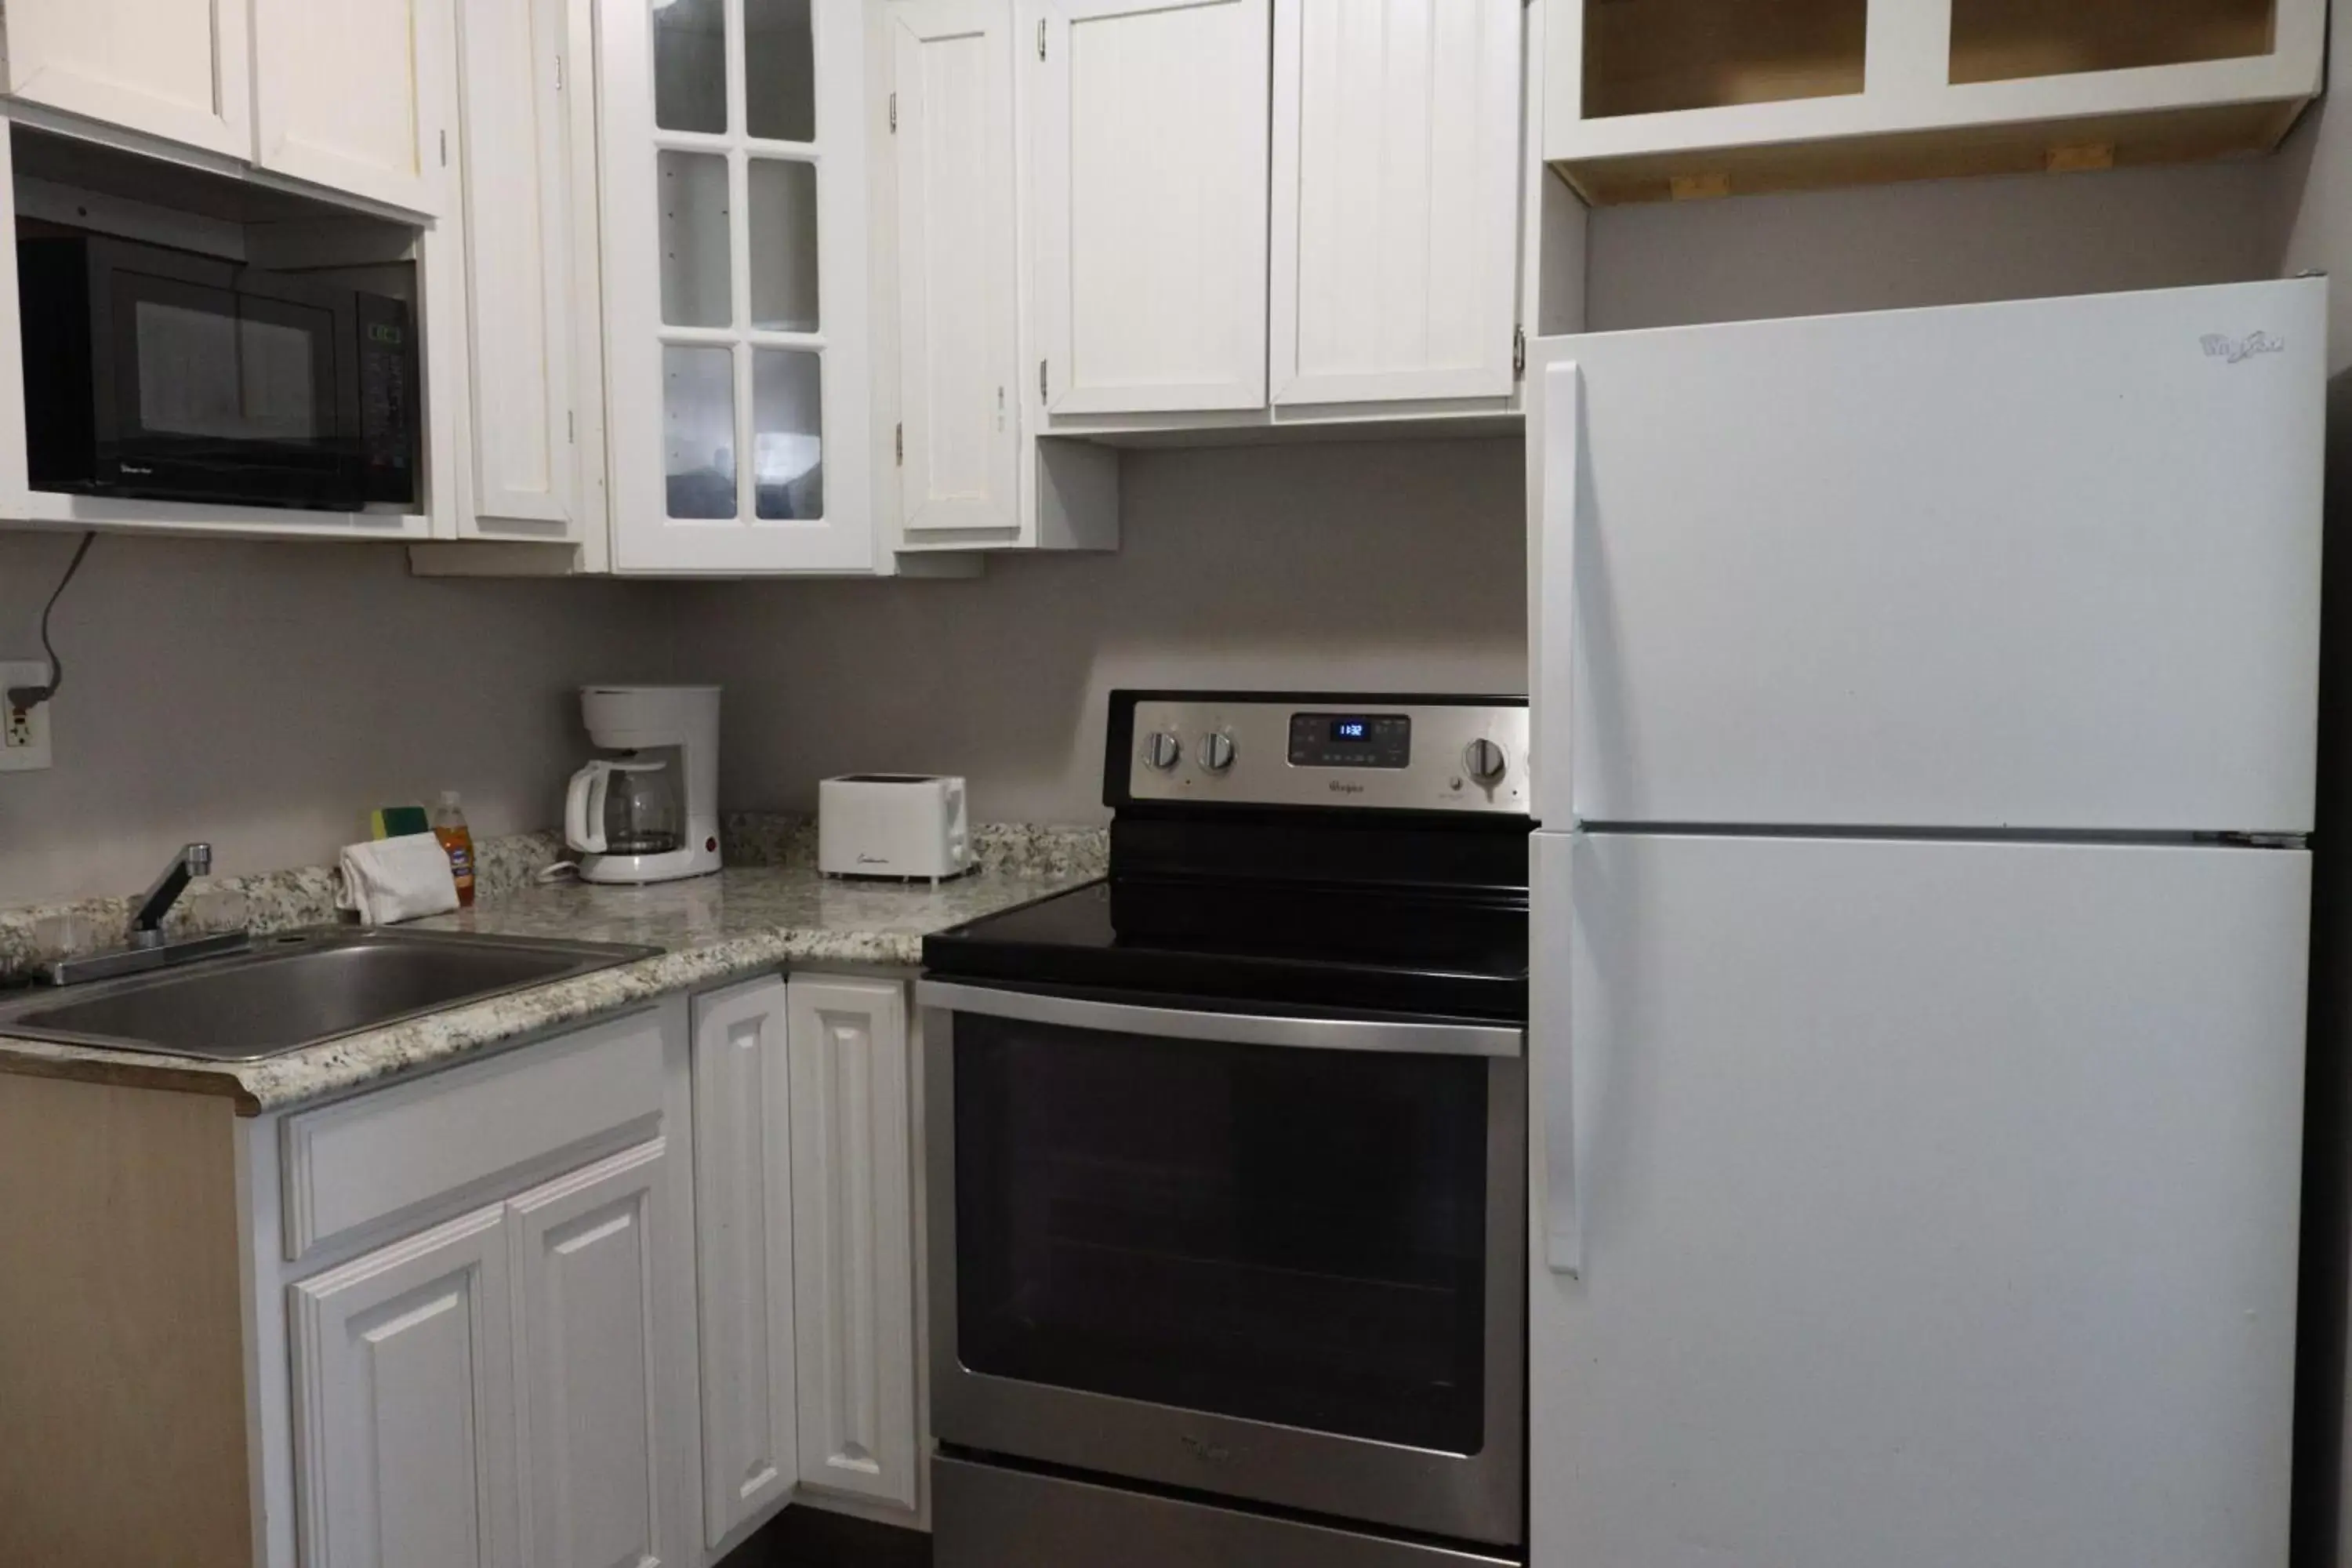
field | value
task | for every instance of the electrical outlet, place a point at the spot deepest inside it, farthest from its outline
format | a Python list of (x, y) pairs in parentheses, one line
[(23, 731)]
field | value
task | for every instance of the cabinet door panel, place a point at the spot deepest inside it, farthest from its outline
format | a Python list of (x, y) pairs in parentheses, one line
[(173, 69), (354, 94), (1395, 198), (743, 1254), (403, 1405), (590, 1320), (1151, 174), (516, 161), (735, 298), (951, 76), (853, 1237)]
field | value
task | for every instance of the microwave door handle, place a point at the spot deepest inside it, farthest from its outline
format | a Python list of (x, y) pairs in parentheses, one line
[(1397, 1036)]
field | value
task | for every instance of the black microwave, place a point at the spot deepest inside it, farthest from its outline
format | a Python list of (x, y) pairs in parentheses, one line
[(168, 376)]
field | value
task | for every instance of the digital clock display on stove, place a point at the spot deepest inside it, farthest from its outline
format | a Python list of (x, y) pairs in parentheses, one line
[(1350, 740)]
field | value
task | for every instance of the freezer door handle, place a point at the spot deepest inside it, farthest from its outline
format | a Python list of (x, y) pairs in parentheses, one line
[(1558, 442), (1550, 1049)]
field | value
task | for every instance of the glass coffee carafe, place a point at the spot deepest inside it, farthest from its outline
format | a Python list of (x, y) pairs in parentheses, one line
[(625, 805)]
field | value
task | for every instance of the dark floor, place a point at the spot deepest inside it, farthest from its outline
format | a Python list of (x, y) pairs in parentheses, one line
[(812, 1538)]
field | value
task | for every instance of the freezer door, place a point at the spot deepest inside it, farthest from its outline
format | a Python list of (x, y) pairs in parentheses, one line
[(2048, 565), (1938, 1203)]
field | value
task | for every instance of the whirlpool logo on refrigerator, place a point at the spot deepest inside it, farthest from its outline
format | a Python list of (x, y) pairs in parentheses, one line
[(2237, 350)]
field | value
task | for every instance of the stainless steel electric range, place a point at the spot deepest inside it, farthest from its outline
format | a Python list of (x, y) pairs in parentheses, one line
[(1228, 1155)]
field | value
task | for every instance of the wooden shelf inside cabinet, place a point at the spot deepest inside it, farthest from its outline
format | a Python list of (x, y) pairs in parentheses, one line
[(1678, 99), (2169, 136), (1652, 57), (2007, 40)]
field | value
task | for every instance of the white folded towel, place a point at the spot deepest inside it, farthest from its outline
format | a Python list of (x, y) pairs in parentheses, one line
[(387, 880)]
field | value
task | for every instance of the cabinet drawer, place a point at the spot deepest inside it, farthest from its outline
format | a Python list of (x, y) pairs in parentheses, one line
[(350, 1166)]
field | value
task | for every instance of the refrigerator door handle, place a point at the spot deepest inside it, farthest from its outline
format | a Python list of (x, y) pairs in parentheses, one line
[(1552, 718), (1550, 1051)]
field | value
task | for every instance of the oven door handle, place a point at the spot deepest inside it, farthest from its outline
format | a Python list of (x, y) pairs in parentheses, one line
[(1396, 1036)]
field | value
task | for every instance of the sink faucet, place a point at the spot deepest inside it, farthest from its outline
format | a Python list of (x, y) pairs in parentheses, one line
[(147, 925)]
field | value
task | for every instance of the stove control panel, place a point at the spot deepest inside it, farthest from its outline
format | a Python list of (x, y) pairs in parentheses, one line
[(1388, 753)]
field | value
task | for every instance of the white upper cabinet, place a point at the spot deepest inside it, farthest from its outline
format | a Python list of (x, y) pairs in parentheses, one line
[(175, 69), (734, 270), (1150, 176), (354, 94), (1681, 99), (1396, 199), (958, 374), (515, 159)]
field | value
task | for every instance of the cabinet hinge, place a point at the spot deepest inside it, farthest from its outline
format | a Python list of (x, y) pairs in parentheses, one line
[(1041, 381), (570, 426), (559, 73), (1518, 350), (900, 442), (893, 114), (445, 149), (1040, 39)]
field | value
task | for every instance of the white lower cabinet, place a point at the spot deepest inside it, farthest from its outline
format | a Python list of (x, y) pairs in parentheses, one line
[(498, 1390), (647, 1314), (744, 1254), (595, 1305), (403, 1404), (854, 1239)]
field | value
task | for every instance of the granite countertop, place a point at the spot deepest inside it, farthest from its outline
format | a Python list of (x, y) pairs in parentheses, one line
[(742, 922)]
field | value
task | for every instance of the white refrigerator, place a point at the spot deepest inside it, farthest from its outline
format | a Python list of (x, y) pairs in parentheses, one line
[(1925, 707)]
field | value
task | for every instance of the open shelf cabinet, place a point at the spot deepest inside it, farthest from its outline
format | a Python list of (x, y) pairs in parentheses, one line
[(1654, 99)]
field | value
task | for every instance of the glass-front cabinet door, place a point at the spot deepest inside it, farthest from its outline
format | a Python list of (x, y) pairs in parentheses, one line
[(734, 266)]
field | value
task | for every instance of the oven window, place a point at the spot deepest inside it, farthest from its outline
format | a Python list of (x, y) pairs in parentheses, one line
[(208, 374), (1287, 1235)]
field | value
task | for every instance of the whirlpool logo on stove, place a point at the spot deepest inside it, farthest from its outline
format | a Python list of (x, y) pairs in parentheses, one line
[(1345, 786), (1203, 1450), (2237, 350)]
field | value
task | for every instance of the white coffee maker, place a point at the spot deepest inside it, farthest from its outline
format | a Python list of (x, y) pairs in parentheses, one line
[(650, 812)]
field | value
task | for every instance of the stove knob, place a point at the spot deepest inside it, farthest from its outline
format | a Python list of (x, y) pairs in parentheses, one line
[(1216, 752), (1485, 761), (1162, 750)]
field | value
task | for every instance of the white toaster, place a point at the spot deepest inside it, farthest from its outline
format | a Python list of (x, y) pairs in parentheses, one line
[(892, 825)]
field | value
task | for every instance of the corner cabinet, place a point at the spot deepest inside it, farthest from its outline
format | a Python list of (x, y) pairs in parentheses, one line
[(970, 472), (854, 1239), (734, 259), (743, 1256)]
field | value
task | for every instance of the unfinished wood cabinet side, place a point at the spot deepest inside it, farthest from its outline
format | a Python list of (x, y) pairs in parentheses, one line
[(122, 1365)]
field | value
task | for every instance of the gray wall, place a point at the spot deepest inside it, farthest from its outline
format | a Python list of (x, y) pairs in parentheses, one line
[(1356, 564), (265, 696)]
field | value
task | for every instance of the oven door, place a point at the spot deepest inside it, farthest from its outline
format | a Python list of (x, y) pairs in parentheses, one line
[(223, 384), (1274, 1255)]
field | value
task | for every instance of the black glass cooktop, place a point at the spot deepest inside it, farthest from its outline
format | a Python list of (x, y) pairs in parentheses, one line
[(1355, 948)]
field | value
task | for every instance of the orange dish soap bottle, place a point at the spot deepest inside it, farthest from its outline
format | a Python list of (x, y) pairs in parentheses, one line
[(449, 827)]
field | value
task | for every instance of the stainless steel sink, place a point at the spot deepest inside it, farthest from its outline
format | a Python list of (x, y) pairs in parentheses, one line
[(298, 988)]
